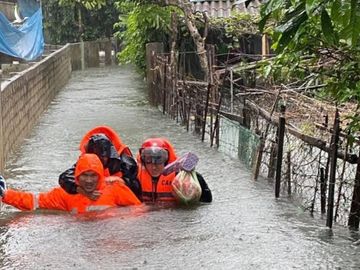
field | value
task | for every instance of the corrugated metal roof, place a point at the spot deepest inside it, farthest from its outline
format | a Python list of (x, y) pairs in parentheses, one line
[(223, 8)]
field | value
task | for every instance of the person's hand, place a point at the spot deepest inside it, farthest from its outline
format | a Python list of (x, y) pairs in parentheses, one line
[(113, 178), (92, 196), (2, 186)]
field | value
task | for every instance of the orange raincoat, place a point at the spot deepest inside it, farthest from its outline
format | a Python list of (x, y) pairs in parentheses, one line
[(114, 194), (120, 147)]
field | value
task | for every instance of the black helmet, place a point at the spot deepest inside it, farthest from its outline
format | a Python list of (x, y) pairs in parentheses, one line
[(100, 145)]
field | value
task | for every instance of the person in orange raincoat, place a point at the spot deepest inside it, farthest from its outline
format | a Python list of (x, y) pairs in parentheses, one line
[(153, 156), (115, 156), (89, 175)]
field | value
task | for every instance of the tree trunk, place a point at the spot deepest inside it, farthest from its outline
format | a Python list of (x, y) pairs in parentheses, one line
[(199, 41)]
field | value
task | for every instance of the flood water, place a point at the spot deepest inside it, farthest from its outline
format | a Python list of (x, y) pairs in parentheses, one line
[(243, 228)]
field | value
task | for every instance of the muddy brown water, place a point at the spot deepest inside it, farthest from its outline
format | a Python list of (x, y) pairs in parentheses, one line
[(243, 228)]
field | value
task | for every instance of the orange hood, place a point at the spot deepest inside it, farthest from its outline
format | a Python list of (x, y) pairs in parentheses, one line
[(90, 162), (111, 134)]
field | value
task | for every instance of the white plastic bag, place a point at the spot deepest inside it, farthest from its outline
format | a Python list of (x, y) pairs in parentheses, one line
[(186, 187)]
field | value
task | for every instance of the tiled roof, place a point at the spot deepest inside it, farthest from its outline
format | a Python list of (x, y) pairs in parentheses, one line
[(223, 8)]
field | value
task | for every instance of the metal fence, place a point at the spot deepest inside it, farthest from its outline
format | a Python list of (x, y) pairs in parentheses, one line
[(245, 123)]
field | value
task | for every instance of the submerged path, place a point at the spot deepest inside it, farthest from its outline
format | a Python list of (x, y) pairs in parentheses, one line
[(244, 227)]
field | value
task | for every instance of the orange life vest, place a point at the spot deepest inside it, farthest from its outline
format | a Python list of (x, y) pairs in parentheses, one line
[(162, 189), (156, 191)]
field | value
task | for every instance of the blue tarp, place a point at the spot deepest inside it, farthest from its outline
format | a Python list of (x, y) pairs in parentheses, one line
[(26, 41)]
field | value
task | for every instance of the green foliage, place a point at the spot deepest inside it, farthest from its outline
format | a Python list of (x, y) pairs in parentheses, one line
[(145, 23), (66, 15), (142, 24), (229, 30), (55, 15), (315, 41), (88, 4), (107, 15)]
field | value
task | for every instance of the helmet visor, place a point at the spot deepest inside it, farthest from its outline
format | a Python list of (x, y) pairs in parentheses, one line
[(154, 155), (101, 146)]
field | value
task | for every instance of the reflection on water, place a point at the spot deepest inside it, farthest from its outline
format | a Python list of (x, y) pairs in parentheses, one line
[(244, 227)]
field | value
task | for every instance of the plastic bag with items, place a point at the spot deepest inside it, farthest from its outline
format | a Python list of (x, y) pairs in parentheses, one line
[(186, 187)]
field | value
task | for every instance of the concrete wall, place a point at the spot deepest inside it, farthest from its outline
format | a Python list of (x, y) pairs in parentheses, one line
[(8, 8), (25, 96)]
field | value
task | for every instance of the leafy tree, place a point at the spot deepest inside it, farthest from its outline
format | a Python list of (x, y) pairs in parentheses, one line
[(61, 21), (142, 24), (189, 18), (55, 15), (316, 41)]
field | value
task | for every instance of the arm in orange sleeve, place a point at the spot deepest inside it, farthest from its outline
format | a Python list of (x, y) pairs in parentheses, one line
[(19, 199), (124, 195), (53, 199)]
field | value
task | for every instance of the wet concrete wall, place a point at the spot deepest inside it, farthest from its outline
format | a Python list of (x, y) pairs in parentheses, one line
[(8, 8), (25, 96)]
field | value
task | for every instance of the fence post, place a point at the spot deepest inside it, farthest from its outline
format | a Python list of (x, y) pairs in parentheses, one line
[(273, 159), (258, 158), (280, 140), (231, 91), (288, 172), (206, 112), (322, 191), (82, 54), (152, 50), (216, 123), (164, 86), (354, 216), (188, 115), (334, 148)]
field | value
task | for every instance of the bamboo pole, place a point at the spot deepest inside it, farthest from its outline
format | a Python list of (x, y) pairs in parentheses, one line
[(216, 124), (231, 91), (288, 172), (341, 182), (354, 216), (164, 88), (323, 188), (206, 112), (279, 159)]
